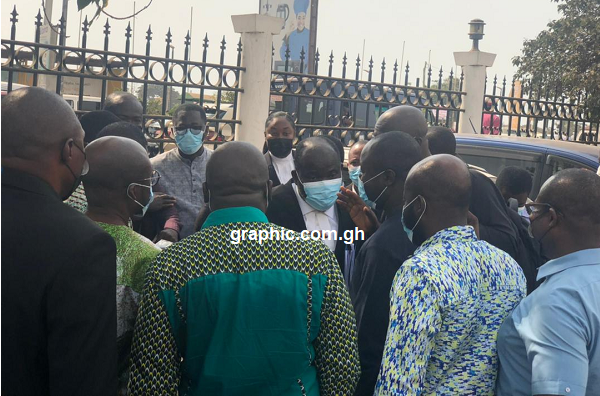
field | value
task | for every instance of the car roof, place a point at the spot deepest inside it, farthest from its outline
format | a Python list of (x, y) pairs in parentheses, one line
[(572, 150)]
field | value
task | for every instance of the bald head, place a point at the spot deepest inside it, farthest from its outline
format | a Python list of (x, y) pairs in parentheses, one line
[(443, 180), (406, 119), (115, 162), (237, 175), (36, 123), (125, 106), (576, 193), (436, 196)]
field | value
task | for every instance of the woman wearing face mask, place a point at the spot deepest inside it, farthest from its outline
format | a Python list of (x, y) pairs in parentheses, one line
[(119, 188), (280, 131)]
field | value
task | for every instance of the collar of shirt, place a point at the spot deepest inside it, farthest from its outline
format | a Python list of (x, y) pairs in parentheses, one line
[(283, 167), (306, 208), (277, 160), (187, 161), (241, 214), (582, 257), (450, 235)]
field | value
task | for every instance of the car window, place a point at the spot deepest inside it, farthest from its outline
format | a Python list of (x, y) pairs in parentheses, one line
[(555, 164), (90, 106), (493, 160)]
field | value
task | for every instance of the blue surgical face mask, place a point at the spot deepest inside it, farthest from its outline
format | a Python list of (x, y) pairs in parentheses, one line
[(354, 173), (321, 195), (380, 194), (144, 207), (411, 231), (188, 142)]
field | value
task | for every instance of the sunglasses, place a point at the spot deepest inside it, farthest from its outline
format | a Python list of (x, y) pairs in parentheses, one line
[(184, 130)]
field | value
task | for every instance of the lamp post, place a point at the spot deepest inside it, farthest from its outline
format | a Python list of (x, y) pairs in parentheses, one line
[(476, 32)]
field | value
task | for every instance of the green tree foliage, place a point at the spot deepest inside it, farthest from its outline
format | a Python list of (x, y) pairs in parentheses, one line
[(154, 106), (566, 56), (227, 96)]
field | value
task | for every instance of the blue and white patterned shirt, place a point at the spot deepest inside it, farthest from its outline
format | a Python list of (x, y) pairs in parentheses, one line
[(447, 303)]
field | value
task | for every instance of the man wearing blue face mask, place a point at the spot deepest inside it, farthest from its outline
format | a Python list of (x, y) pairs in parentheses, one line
[(308, 201), (385, 162), (183, 170), (450, 298)]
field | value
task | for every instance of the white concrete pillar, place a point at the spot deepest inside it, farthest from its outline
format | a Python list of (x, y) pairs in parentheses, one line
[(253, 104), (474, 64)]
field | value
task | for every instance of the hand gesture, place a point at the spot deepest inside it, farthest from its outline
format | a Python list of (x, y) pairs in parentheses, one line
[(362, 216)]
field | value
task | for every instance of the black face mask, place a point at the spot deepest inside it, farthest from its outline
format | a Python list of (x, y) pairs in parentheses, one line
[(280, 147)]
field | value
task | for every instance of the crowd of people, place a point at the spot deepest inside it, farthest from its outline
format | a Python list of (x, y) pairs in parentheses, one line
[(120, 275)]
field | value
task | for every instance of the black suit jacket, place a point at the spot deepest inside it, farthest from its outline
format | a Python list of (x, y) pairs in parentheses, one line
[(284, 210), (59, 281)]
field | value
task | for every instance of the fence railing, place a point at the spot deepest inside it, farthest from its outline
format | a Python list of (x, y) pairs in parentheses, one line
[(347, 108), (528, 112), (343, 105), (160, 82)]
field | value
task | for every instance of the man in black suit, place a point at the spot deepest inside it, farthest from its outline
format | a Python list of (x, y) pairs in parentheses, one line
[(308, 201), (58, 267)]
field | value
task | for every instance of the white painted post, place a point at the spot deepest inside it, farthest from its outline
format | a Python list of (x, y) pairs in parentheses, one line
[(474, 63), (253, 104)]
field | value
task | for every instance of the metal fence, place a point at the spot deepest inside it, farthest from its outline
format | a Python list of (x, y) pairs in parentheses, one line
[(347, 108), (344, 105), (533, 112), (167, 77)]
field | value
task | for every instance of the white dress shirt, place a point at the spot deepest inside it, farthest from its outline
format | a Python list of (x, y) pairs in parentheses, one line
[(283, 167), (317, 220)]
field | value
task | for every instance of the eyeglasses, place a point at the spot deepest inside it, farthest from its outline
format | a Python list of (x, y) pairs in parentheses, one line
[(183, 130), (153, 179), (537, 209), (86, 166)]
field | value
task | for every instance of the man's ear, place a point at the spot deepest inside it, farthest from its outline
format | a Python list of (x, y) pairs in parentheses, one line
[(553, 216), (205, 192), (67, 151), (389, 177)]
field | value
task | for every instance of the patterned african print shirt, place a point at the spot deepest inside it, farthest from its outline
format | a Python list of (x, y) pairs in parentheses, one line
[(227, 315), (135, 253), (78, 200), (447, 304)]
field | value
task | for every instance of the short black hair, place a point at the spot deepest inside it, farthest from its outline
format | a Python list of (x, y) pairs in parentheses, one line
[(337, 143), (94, 121), (514, 180), (189, 107), (310, 143), (126, 130), (441, 140), (281, 114)]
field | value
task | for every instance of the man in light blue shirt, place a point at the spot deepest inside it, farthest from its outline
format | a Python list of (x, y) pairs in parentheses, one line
[(550, 345)]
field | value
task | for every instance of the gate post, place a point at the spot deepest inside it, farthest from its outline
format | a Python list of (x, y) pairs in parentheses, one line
[(253, 104), (474, 63)]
